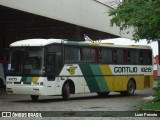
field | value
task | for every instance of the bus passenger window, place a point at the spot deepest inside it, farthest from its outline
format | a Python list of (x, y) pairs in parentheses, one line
[(146, 57), (125, 56), (129, 57), (96, 55), (105, 55), (99, 55), (120, 56), (72, 54), (89, 55), (149, 57), (141, 57), (134, 56), (114, 56)]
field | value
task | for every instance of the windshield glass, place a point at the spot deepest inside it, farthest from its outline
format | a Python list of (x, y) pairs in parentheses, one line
[(27, 60)]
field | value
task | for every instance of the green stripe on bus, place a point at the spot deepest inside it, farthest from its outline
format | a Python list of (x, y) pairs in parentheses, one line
[(89, 77), (96, 70), (26, 79), (99, 78), (94, 78)]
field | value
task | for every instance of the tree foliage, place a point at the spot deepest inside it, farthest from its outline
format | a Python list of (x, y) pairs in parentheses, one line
[(142, 15), (156, 93)]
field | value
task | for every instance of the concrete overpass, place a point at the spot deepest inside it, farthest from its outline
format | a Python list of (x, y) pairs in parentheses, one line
[(70, 19)]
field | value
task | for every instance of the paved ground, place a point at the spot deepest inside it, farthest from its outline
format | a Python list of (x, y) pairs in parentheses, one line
[(81, 102)]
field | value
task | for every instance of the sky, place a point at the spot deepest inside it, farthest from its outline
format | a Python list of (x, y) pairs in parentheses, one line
[(124, 41)]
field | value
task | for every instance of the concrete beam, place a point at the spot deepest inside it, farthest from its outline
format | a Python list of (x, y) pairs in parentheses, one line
[(86, 13)]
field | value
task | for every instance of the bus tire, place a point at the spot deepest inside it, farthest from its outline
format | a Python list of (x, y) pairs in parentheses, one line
[(66, 91), (34, 98), (103, 94), (130, 89)]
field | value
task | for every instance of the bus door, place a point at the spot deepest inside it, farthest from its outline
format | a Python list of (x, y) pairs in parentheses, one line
[(53, 67)]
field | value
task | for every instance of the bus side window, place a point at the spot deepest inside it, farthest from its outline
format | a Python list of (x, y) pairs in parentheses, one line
[(99, 51), (141, 57), (150, 57), (96, 55), (93, 55), (125, 56), (114, 56), (72, 54), (120, 56), (88, 55), (146, 57), (134, 56), (129, 56), (105, 55)]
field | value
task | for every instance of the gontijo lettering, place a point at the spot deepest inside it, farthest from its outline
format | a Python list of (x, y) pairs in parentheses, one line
[(125, 69)]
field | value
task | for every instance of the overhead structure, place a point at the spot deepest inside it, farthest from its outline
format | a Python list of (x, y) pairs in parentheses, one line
[(69, 19)]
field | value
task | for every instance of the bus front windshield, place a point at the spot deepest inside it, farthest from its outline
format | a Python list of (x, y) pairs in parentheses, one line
[(27, 61)]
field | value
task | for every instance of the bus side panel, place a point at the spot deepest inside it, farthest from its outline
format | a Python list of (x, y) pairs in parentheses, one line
[(109, 81), (139, 82), (143, 82), (109, 78), (151, 81), (94, 77), (72, 72), (120, 83)]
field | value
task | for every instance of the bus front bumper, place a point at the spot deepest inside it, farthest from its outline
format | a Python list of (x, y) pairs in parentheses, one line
[(29, 90)]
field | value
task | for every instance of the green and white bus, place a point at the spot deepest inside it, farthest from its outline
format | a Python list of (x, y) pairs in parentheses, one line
[(60, 67)]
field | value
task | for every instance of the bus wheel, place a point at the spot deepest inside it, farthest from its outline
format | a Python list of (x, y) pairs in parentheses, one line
[(130, 88), (66, 92), (34, 98), (102, 94)]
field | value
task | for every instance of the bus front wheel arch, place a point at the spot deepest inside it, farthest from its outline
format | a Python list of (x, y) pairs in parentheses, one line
[(131, 87)]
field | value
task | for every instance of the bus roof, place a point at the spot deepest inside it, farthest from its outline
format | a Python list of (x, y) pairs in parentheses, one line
[(44, 42), (35, 42)]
